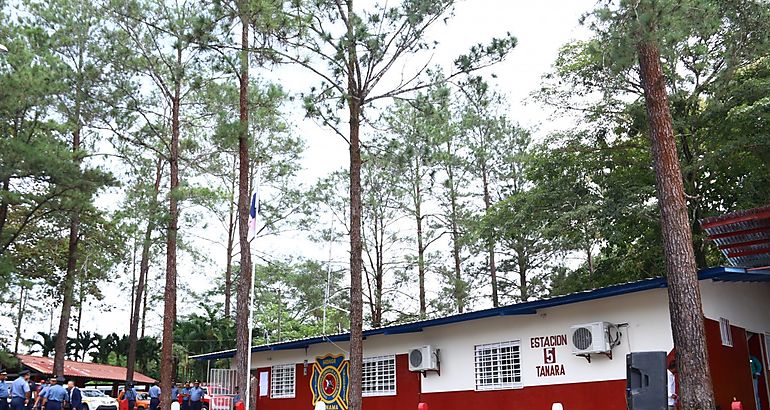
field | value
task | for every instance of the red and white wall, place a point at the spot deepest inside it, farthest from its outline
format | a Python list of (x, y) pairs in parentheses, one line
[(596, 385), (747, 307)]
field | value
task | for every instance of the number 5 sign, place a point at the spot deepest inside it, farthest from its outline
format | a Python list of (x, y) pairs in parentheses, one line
[(549, 355)]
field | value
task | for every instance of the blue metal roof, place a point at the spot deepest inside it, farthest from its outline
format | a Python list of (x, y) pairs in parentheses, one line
[(724, 274)]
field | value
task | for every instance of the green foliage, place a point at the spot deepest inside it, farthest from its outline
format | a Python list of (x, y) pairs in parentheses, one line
[(567, 212), (289, 301), (8, 361), (603, 169), (44, 346)]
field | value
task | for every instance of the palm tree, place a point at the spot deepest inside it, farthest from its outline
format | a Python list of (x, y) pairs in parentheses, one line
[(79, 346), (121, 347), (45, 346), (104, 345), (147, 350)]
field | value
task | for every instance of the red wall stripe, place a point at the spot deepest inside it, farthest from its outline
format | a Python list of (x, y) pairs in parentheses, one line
[(604, 395), (407, 388), (729, 371)]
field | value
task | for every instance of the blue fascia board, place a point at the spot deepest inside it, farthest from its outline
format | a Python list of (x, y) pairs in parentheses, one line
[(402, 331), (720, 273)]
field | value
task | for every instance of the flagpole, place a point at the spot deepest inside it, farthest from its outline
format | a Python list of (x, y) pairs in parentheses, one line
[(247, 392)]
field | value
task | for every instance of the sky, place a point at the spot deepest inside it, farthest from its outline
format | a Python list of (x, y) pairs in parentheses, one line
[(541, 28)]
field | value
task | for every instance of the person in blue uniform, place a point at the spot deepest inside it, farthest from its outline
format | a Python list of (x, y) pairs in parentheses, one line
[(57, 397), (130, 395), (237, 397), (186, 396), (20, 392), (174, 392), (196, 395), (154, 396), (42, 390), (4, 392), (33, 393), (76, 397)]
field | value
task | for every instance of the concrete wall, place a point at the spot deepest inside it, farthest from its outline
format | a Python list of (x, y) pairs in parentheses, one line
[(646, 314), (584, 385), (744, 304)]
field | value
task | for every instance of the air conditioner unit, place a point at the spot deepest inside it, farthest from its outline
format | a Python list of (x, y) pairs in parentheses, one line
[(423, 358), (590, 338)]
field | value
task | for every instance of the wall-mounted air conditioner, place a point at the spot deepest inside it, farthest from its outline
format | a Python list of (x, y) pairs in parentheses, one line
[(423, 358), (590, 338)]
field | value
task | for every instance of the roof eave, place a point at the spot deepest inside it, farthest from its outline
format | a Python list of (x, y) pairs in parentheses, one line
[(720, 273)]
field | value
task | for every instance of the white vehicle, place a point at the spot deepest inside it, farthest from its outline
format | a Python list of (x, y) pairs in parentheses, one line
[(94, 399)]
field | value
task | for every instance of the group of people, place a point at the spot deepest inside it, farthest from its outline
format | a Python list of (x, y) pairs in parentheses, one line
[(53, 394), (190, 396), (49, 395)]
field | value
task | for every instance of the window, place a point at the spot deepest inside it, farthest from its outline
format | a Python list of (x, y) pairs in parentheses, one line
[(498, 366), (282, 381), (724, 330), (379, 377)]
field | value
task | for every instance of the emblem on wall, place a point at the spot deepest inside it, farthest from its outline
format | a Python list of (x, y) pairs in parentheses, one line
[(330, 380)]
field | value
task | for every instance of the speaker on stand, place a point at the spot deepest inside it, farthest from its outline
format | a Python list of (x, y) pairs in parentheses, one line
[(646, 381)]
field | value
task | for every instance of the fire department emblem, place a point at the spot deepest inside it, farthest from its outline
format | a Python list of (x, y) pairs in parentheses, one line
[(329, 381)]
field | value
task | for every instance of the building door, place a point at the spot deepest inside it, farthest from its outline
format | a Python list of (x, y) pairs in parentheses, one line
[(758, 350)]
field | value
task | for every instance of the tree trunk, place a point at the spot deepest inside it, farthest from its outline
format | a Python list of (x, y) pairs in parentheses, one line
[(280, 314), (231, 223), (77, 329), (144, 313), (356, 209), (23, 296), (420, 240), (379, 277), (242, 315), (67, 289), (169, 294), (683, 289), (72, 250), (144, 267), (6, 185), (133, 281), (421, 263), (491, 247), (377, 265), (523, 268), (356, 300), (458, 279)]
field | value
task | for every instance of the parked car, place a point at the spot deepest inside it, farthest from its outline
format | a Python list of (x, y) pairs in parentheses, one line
[(142, 400), (95, 399)]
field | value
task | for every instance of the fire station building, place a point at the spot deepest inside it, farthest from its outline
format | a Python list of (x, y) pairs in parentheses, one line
[(568, 349)]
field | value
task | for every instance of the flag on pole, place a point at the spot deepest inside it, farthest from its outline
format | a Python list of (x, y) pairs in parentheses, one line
[(253, 216)]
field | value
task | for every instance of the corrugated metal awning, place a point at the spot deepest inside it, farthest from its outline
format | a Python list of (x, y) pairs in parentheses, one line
[(743, 236), (83, 370)]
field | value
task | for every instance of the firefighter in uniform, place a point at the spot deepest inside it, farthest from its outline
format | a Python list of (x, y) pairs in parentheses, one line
[(57, 396)]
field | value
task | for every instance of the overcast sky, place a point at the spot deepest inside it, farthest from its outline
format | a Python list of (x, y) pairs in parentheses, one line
[(541, 27)]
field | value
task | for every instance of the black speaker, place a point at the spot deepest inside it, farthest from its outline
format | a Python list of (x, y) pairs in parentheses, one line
[(646, 381)]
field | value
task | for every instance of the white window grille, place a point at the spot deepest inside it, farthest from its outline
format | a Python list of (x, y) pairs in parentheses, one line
[(724, 330), (282, 381), (498, 366), (379, 376)]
